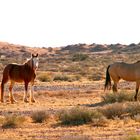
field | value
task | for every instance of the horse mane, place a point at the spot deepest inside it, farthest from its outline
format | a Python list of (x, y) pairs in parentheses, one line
[(26, 63)]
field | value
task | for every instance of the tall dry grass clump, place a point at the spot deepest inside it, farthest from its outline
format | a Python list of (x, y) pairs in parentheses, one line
[(39, 116), (13, 121), (80, 115), (117, 97)]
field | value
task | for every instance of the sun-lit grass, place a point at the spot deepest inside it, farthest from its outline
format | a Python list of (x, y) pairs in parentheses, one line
[(39, 116), (13, 121), (133, 137), (75, 116), (117, 97)]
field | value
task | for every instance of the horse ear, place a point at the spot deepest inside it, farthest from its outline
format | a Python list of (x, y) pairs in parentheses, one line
[(37, 55), (32, 55)]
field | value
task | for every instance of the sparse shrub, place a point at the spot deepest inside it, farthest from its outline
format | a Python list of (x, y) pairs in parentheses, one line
[(12, 121), (137, 118), (79, 57), (39, 116), (95, 76), (114, 110), (133, 109), (133, 137), (98, 119), (44, 77), (61, 77), (117, 97), (75, 116), (80, 137)]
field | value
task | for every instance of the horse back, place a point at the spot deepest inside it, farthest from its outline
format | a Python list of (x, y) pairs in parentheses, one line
[(19, 73), (125, 71)]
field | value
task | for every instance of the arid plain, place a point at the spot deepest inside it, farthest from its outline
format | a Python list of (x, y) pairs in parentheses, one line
[(68, 78)]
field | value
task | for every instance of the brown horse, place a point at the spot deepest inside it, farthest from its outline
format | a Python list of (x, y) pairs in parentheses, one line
[(20, 73), (121, 70)]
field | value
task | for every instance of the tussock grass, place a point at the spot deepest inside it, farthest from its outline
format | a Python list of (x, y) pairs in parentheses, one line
[(98, 119), (121, 110), (61, 77), (117, 97), (79, 116), (79, 57), (39, 116), (12, 121), (44, 77), (75, 116), (133, 108), (133, 137), (80, 137), (116, 110)]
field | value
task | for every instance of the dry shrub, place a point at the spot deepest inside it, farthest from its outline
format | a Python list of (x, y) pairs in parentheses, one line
[(62, 77), (133, 137), (116, 110), (44, 77), (137, 118), (117, 97), (12, 121), (79, 57), (79, 116), (75, 116), (99, 119), (133, 108), (39, 116), (80, 137)]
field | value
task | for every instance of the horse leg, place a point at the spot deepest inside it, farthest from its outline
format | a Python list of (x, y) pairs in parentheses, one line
[(114, 87), (137, 90), (4, 81), (32, 93), (11, 97), (26, 92)]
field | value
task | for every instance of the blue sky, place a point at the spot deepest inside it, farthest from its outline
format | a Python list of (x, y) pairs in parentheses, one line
[(54, 23)]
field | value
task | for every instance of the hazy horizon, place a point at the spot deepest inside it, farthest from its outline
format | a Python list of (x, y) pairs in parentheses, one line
[(53, 23)]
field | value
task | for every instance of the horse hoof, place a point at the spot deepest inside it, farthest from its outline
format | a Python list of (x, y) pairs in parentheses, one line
[(32, 101), (14, 101), (2, 101), (26, 101)]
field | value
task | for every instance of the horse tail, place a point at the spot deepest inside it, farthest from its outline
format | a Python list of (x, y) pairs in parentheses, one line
[(108, 80)]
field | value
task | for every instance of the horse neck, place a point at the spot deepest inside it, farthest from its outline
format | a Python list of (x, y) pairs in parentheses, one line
[(29, 63)]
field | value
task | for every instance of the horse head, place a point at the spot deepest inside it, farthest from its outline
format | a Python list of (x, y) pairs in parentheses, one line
[(33, 61)]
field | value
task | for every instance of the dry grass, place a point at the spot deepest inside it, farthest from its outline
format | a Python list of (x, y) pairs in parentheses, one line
[(39, 116), (12, 121), (76, 116), (95, 125), (122, 96)]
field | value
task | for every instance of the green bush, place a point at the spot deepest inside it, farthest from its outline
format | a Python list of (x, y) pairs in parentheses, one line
[(39, 116), (75, 116)]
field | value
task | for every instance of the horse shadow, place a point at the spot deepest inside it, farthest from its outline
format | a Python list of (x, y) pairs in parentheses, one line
[(99, 104)]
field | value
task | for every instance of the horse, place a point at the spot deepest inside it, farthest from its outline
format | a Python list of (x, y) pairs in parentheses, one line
[(20, 73), (125, 71)]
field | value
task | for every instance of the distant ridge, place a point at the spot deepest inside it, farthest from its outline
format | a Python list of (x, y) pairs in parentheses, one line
[(8, 49)]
